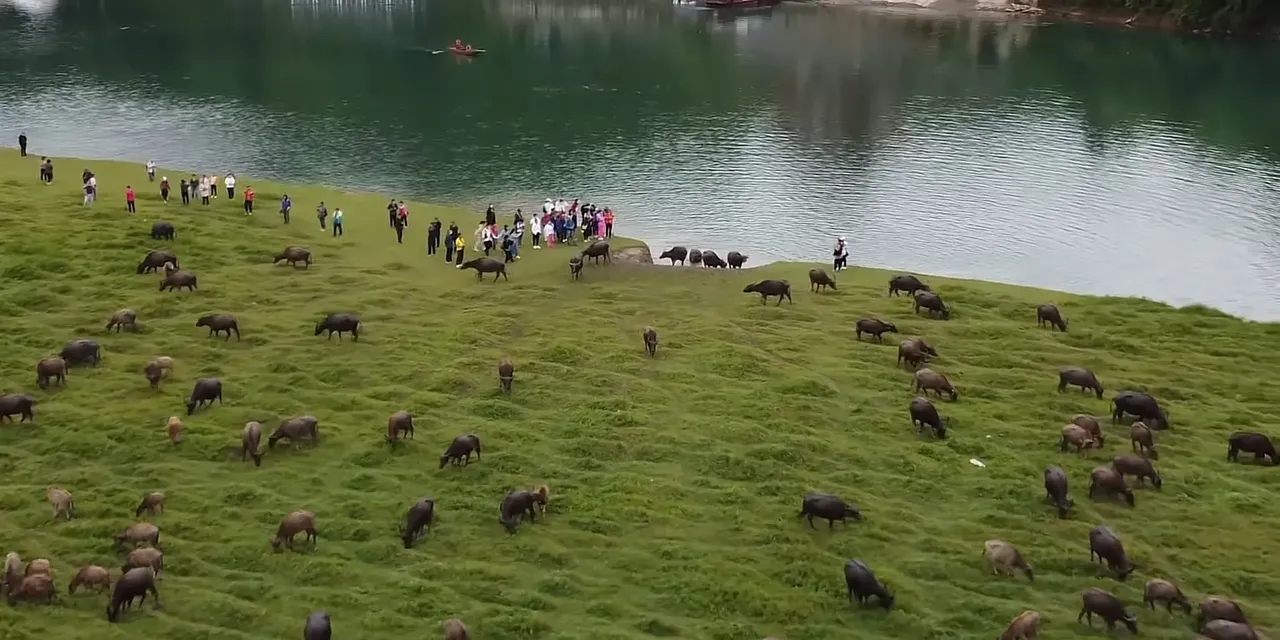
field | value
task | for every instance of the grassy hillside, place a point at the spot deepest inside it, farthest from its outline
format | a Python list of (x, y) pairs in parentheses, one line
[(675, 481)]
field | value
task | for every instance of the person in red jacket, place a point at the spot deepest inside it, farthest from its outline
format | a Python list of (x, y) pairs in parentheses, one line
[(248, 201), (130, 199)]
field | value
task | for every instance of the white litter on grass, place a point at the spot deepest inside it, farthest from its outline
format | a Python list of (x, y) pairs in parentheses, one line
[(977, 463)]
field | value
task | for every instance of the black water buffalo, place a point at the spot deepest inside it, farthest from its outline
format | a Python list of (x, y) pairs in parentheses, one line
[(294, 255), (862, 584), (736, 260), (157, 259), (933, 303), (710, 259), (163, 230), (924, 414), (908, 283), (1050, 315), (487, 265), (766, 288), (81, 352), (12, 404), (829, 508), (205, 392), (1256, 443), (675, 254), (575, 267), (419, 517), (340, 323), (1139, 404), (819, 280), (220, 322), (596, 250), (695, 256), (874, 327)]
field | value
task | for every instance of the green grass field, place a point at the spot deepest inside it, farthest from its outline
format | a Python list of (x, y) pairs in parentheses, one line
[(675, 481)]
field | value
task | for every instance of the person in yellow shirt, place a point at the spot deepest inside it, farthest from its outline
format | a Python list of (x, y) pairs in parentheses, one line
[(460, 244)]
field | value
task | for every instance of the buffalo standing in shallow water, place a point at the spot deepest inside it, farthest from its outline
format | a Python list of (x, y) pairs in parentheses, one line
[(487, 265), (766, 288), (675, 254), (340, 323)]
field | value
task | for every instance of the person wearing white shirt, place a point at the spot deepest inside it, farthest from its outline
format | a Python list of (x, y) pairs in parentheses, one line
[(546, 206), (230, 183), (90, 190), (151, 170)]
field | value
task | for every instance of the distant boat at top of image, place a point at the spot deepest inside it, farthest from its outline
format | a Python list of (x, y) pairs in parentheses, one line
[(736, 4)]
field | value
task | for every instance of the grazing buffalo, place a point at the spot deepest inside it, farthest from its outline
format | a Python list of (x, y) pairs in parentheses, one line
[(863, 585), (123, 319), (1104, 544), (399, 426), (1056, 489), (340, 323), (205, 392), (296, 429), (710, 259), (1077, 377), (163, 230), (695, 256), (908, 283), (51, 369), (156, 259), (1158, 590), (820, 280), (1256, 443), (924, 414), (933, 303), (766, 288), (1049, 314), (460, 450), (135, 584), (736, 260), (175, 279), (650, 341), (294, 255), (874, 327), (1111, 609), (420, 516), (486, 265), (675, 254), (81, 352), (1139, 404), (596, 250), (1110, 483), (516, 505)]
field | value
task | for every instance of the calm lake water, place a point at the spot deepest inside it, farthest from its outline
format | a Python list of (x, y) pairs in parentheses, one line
[(1090, 159)]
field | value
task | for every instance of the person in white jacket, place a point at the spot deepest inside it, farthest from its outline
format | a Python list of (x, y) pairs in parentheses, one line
[(230, 183)]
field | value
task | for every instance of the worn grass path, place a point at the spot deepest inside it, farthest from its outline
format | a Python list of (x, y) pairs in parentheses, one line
[(675, 481)]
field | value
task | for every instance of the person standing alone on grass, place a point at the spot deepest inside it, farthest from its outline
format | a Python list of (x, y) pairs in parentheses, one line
[(230, 183), (286, 206), (130, 199), (337, 221), (90, 188), (322, 212), (151, 171), (164, 189), (22, 144), (460, 245), (433, 237), (248, 200)]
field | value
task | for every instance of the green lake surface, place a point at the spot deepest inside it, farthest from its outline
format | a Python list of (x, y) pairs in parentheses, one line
[(1084, 158)]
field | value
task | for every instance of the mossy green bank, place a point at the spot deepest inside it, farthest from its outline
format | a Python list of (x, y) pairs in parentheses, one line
[(675, 481)]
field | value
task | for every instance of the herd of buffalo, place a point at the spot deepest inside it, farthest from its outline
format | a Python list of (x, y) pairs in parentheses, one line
[(1219, 617)]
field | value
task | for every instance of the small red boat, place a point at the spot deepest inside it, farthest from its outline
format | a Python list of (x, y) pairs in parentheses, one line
[(462, 51)]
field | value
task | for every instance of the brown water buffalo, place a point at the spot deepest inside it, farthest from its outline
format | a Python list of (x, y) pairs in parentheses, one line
[(596, 250), (219, 323), (294, 255), (51, 369), (399, 426), (1005, 558), (1138, 466), (933, 303), (820, 280), (123, 319), (81, 352), (1110, 483), (1111, 609), (1077, 377), (1024, 627), (293, 524), (178, 280), (295, 430), (874, 327), (1164, 591), (1049, 314), (506, 375), (929, 380), (251, 443)]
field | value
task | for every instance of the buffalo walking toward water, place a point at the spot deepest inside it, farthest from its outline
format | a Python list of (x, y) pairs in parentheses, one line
[(767, 288), (486, 265), (340, 323), (675, 254)]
